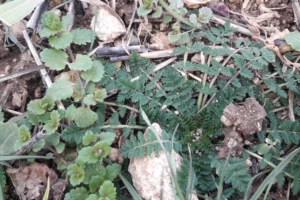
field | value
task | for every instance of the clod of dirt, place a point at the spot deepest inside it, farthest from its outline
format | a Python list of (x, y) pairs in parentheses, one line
[(17, 29), (159, 41), (107, 23), (144, 29), (151, 175), (246, 119), (31, 181), (115, 156), (232, 140)]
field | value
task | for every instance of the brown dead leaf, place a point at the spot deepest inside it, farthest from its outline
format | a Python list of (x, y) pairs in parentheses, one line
[(31, 181), (159, 41), (197, 3)]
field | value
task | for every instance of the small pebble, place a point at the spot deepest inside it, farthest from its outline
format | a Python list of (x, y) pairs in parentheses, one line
[(14, 60)]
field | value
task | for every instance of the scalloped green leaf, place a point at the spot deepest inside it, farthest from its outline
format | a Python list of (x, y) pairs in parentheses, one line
[(96, 182), (84, 117), (158, 12), (35, 107), (53, 123), (89, 100), (108, 191), (77, 174), (88, 138), (112, 171), (9, 134), (52, 139), (61, 42), (82, 63), (55, 59), (82, 36), (293, 39), (143, 11), (66, 21), (70, 112), (51, 20), (94, 74), (107, 137), (39, 145), (78, 194), (60, 90), (100, 95)]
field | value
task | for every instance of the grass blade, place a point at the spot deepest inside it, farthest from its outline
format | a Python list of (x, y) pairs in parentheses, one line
[(274, 173), (8, 158), (46, 195), (130, 188)]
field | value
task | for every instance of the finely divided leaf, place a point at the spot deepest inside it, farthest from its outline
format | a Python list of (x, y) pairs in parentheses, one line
[(55, 59), (82, 36)]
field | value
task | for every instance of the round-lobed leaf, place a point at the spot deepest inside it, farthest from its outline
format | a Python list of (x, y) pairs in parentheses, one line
[(61, 89), (81, 63), (94, 74), (55, 59), (62, 41), (84, 117)]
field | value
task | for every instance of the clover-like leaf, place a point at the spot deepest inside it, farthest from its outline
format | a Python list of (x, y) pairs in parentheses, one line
[(76, 173), (60, 147), (54, 58), (46, 32), (53, 123), (61, 89), (82, 36), (39, 145), (82, 62), (100, 95), (84, 117), (88, 138), (95, 182), (94, 74), (108, 191), (89, 100), (62, 41), (70, 112), (205, 15)]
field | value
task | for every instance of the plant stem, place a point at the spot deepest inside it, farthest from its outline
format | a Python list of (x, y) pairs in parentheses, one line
[(120, 105), (123, 126), (200, 97), (268, 162), (184, 65), (175, 14)]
